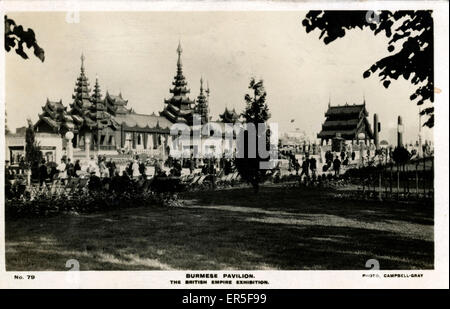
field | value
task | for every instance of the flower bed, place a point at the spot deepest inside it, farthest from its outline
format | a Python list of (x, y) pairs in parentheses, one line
[(96, 195)]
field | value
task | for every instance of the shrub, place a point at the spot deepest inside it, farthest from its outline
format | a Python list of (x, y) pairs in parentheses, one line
[(401, 155), (81, 200)]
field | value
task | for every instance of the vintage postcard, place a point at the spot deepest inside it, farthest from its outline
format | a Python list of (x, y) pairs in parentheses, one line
[(240, 145)]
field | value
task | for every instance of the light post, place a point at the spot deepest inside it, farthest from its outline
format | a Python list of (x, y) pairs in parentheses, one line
[(163, 145), (400, 130), (361, 137), (69, 137), (87, 146)]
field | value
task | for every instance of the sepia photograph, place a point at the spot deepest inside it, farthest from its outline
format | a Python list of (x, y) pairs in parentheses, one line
[(220, 140)]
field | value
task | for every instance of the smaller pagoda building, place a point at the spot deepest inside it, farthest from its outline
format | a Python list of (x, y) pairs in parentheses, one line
[(346, 122), (229, 116), (99, 123), (116, 104), (54, 118)]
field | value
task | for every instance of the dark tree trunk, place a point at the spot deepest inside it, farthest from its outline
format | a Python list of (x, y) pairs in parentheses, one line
[(255, 185)]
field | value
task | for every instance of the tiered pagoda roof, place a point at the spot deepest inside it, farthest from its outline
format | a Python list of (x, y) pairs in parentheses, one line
[(96, 98), (346, 121), (81, 98), (179, 108), (97, 117), (115, 104), (55, 116), (229, 116), (141, 121), (201, 107)]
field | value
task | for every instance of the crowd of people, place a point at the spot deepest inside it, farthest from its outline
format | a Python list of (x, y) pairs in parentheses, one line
[(136, 168), (141, 167), (308, 167)]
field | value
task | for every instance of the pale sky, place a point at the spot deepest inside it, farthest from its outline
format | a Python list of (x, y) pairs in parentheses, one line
[(135, 53)]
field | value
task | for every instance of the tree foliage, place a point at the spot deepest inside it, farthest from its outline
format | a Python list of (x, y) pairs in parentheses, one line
[(33, 154), (410, 46), (401, 155), (256, 112), (16, 37)]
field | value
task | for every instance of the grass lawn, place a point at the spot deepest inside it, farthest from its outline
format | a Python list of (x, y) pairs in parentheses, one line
[(281, 229)]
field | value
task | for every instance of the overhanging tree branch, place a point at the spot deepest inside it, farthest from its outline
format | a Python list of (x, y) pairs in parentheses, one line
[(410, 31), (16, 38)]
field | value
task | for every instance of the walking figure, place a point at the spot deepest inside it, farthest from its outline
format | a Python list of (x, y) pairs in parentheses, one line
[(305, 168), (313, 167), (336, 166)]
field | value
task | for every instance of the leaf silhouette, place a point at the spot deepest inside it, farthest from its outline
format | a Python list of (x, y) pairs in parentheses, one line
[(16, 37), (414, 61)]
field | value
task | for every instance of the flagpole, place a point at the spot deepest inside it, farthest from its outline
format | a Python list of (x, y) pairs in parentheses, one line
[(292, 121)]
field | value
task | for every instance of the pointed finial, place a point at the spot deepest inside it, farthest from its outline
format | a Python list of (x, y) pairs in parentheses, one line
[(201, 84), (179, 51), (364, 99), (329, 100), (82, 60)]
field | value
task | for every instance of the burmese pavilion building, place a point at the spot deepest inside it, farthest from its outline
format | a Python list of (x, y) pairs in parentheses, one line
[(107, 125)]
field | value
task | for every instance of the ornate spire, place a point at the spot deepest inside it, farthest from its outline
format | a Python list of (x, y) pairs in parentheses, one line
[(179, 107), (81, 96), (96, 98), (82, 62), (201, 107), (179, 51), (179, 80), (97, 117)]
